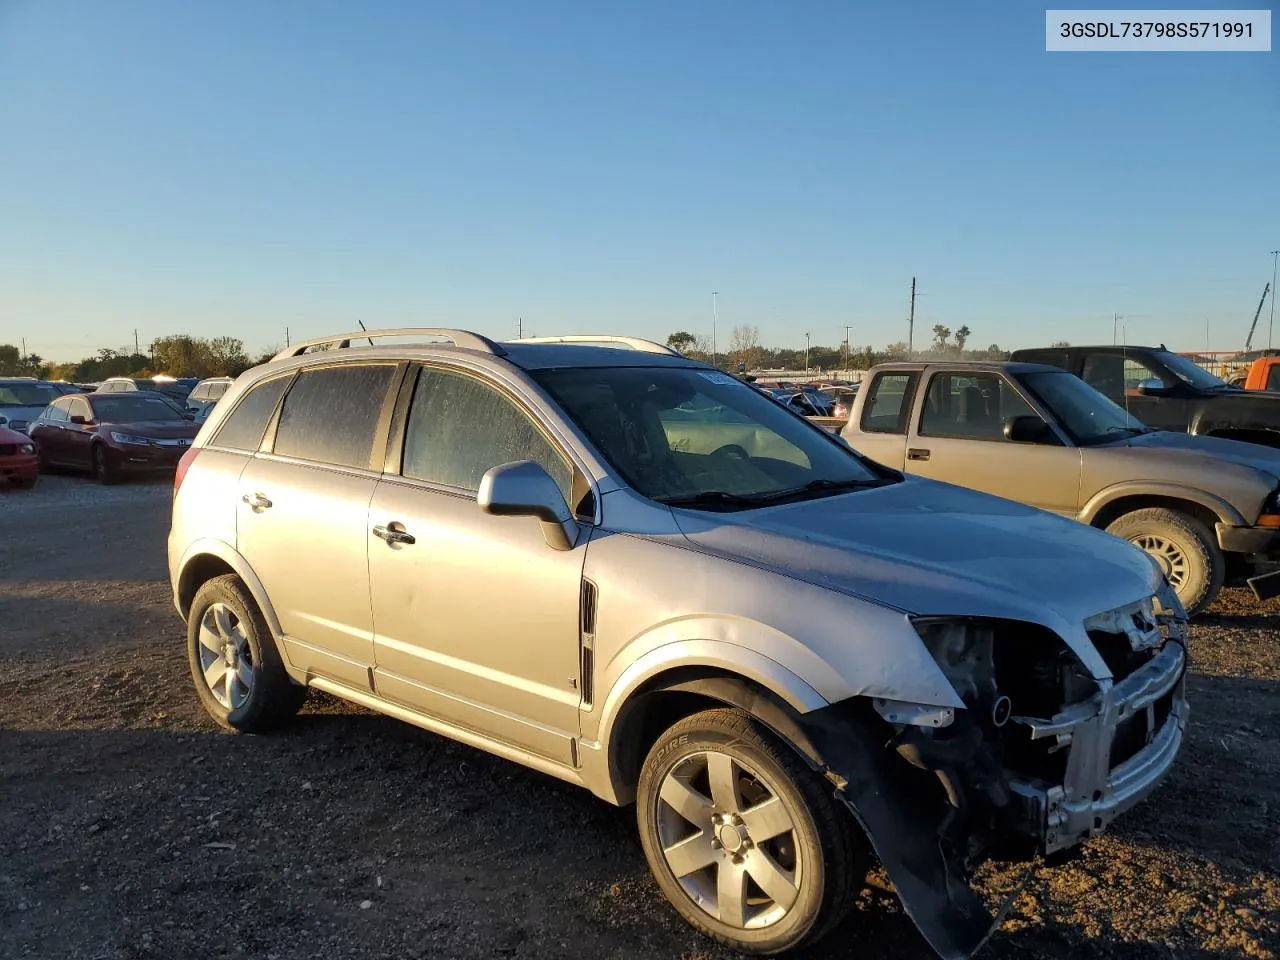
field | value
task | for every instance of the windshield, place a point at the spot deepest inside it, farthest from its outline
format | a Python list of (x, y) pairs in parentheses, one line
[(18, 394), (1085, 413), (123, 408), (1190, 372), (693, 437)]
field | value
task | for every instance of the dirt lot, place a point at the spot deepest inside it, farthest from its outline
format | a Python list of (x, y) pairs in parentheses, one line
[(130, 827)]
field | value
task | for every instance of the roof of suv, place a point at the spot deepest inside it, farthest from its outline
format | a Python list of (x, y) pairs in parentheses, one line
[(532, 353)]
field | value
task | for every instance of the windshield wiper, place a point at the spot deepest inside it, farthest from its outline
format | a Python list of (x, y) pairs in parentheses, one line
[(822, 486), (711, 499)]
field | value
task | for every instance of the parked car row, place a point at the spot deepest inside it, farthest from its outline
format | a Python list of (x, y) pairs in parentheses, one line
[(783, 652), (125, 426)]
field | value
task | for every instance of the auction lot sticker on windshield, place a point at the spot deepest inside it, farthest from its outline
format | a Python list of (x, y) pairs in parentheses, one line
[(717, 377), (1158, 31)]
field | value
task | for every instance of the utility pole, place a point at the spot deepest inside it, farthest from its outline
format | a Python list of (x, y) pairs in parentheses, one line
[(1115, 319), (24, 349), (806, 351), (286, 336), (1272, 322), (911, 322), (136, 349), (714, 318), (847, 328)]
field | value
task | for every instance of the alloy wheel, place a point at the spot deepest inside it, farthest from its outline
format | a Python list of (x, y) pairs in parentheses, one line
[(1172, 560), (226, 660), (728, 837)]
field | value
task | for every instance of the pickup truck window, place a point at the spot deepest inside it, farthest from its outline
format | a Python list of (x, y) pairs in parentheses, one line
[(1114, 375), (1079, 409), (1273, 376), (888, 403), (971, 406)]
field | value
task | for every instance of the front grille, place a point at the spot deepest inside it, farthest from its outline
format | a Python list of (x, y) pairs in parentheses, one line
[(8, 449)]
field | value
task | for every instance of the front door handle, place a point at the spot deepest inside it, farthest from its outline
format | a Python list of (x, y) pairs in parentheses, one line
[(392, 535), (917, 453), (257, 501)]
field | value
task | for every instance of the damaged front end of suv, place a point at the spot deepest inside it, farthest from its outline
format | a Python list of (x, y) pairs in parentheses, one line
[(1055, 740)]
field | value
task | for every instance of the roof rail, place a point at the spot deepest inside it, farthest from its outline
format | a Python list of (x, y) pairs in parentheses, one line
[(604, 340), (461, 338)]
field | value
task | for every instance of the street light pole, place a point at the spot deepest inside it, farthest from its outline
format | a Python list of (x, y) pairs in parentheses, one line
[(714, 318), (1272, 322), (806, 351)]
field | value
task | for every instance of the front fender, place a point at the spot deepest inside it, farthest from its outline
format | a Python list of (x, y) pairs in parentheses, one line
[(1225, 512)]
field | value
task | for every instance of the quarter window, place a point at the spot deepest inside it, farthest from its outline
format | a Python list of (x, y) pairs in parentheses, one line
[(974, 407), (460, 427), (888, 403), (330, 414), (243, 429)]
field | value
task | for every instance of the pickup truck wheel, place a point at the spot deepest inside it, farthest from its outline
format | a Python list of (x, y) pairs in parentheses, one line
[(744, 839), (236, 667), (1184, 548)]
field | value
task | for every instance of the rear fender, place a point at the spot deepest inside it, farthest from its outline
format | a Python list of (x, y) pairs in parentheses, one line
[(228, 555)]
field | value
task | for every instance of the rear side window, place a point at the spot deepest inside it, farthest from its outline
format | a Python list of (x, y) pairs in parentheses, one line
[(57, 411), (888, 403), (460, 427), (216, 390), (243, 429), (330, 415), (1273, 377)]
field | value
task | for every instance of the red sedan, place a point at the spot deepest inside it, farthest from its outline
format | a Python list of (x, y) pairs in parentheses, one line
[(18, 463), (113, 434)]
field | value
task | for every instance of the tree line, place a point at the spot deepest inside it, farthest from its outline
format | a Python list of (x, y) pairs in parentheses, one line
[(744, 349), (178, 355)]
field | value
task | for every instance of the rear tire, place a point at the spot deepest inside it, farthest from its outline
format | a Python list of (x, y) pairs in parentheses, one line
[(783, 873), (235, 665), (1185, 549), (103, 472)]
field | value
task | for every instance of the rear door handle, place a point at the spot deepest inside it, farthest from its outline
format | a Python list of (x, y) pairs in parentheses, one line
[(917, 453), (257, 501), (392, 535)]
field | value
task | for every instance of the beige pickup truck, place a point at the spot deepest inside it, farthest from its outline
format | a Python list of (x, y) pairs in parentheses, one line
[(1205, 508)]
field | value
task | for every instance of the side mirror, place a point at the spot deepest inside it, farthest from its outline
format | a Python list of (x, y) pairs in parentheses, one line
[(1152, 388), (524, 489), (79, 419), (1029, 429)]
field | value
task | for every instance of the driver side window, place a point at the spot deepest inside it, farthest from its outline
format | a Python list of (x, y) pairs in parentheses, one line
[(459, 427), (971, 407)]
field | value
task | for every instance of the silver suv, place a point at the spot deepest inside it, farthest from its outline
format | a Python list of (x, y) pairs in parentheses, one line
[(626, 569)]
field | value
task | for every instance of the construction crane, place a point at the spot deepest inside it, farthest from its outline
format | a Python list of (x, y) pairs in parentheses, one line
[(1248, 343)]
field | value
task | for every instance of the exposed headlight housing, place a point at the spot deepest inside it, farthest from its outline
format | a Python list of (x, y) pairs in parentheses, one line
[(1005, 667), (27, 448)]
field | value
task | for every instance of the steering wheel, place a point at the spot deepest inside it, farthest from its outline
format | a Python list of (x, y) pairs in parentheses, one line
[(731, 450)]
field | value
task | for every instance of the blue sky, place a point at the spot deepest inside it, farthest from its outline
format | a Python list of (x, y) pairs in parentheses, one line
[(242, 166)]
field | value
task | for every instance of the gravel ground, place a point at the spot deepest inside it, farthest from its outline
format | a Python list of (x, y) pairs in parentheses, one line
[(130, 827)]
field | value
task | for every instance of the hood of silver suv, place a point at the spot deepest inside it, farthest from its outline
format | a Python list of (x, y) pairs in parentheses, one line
[(932, 548)]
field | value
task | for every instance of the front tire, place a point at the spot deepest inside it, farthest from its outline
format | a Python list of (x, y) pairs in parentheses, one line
[(235, 665), (1184, 548), (103, 472), (747, 842)]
